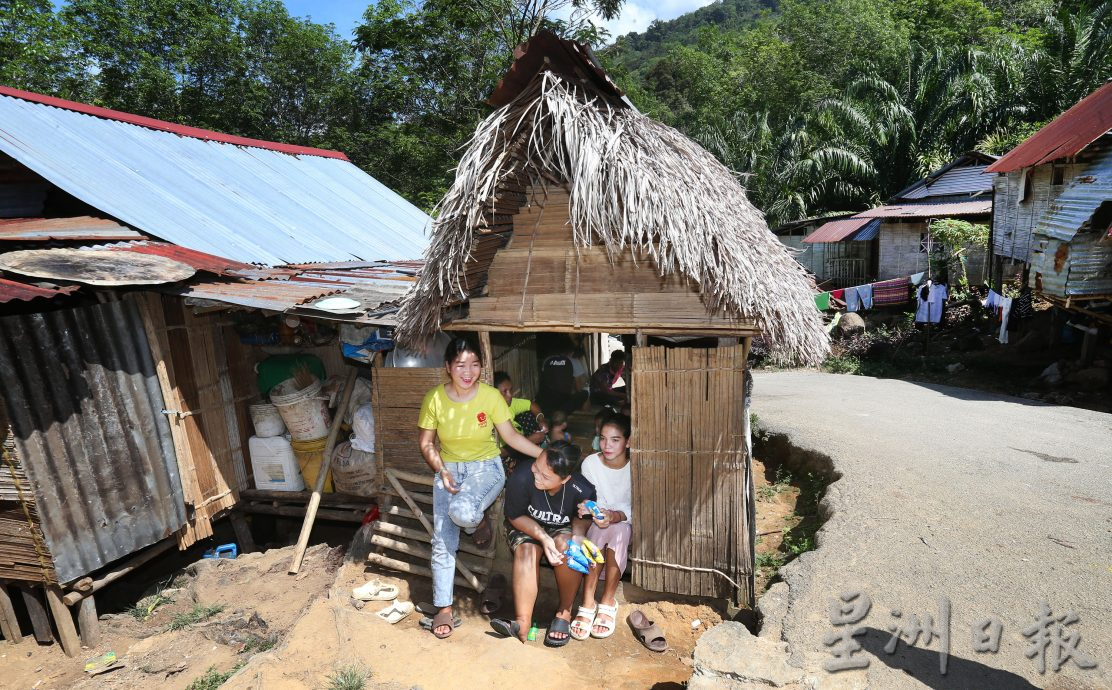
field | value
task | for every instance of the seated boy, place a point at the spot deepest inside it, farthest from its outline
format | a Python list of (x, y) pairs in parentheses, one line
[(542, 511)]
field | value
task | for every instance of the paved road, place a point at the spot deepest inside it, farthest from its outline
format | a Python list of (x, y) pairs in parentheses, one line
[(993, 502)]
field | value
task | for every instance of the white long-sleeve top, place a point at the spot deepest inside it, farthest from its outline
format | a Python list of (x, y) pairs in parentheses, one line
[(614, 487)]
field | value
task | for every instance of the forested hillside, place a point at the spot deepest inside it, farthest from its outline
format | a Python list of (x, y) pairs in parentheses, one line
[(817, 105)]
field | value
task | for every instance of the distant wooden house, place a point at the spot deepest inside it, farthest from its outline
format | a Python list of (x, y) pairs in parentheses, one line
[(811, 254), (1054, 210), (893, 240)]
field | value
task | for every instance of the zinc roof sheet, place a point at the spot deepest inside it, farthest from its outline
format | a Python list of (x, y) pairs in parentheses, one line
[(76, 228), (1075, 206), (964, 180), (240, 201), (12, 290), (836, 230), (1066, 135), (958, 208)]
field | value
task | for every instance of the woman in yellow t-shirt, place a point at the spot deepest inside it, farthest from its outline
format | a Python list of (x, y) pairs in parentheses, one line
[(462, 415)]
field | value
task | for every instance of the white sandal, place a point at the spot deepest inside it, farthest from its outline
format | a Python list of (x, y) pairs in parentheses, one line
[(375, 590), (395, 612), (604, 610), (579, 625)]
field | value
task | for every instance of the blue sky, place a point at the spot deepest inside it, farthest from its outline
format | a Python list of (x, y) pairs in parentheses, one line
[(635, 16)]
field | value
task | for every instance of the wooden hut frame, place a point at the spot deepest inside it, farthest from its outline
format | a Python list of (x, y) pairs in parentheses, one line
[(572, 212)]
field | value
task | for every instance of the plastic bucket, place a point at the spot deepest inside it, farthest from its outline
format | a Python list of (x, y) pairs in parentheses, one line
[(304, 412), (310, 455), (353, 471), (266, 420), (274, 464)]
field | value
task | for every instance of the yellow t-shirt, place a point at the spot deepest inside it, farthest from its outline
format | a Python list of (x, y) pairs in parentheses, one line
[(465, 430)]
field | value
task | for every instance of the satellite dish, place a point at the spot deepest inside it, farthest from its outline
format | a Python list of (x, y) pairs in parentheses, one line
[(96, 266)]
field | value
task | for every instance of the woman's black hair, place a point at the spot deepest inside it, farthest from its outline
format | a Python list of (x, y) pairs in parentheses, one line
[(500, 377), (457, 347), (562, 457), (621, 421)]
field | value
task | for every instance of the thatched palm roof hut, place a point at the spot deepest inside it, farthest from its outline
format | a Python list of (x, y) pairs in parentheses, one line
[(636, 191)]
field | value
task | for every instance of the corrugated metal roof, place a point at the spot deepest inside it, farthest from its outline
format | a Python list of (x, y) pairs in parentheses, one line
[(1066, 135), (377, 286), (86, 408), (958, 208), (836, 230), (11, 290), (964, 180), (191, 257), (254, 205), (164, 126), (869, 232), (79, 228), (1073, 208)]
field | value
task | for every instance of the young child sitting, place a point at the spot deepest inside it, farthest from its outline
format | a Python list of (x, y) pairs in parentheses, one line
[(558, 429), (608, 471)]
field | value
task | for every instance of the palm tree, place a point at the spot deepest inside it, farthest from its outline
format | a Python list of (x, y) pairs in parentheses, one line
[(791, 172), (1075, 58)]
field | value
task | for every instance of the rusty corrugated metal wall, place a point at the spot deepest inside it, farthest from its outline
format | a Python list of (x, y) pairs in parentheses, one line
[(86, 408)]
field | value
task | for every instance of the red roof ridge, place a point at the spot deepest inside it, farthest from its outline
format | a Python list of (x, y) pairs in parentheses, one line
[(164, 126), (1064, 136)]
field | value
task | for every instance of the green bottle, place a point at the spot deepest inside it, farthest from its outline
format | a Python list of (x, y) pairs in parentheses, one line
[(533, 632)]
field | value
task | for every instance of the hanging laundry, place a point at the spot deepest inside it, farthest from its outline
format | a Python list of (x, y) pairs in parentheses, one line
[(918, 278), (865, 292), (1007, 307), (937, 299), (853, 300), (888, 292), (1024, 307), (923, 304), (822, 301), (993, 301), (839, 294), (930, 299)]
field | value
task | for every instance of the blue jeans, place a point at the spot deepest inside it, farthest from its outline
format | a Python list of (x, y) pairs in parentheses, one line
[(479, 484)]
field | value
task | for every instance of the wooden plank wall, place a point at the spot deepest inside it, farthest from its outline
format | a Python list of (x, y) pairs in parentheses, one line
[(191, 355), (541, 278), (689, 470), (24, 554), (396, 399)]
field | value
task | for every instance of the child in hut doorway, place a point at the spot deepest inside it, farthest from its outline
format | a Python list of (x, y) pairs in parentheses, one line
[(608, 471)]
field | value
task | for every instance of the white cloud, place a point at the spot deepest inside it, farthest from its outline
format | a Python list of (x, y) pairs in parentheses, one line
[(636, 15)]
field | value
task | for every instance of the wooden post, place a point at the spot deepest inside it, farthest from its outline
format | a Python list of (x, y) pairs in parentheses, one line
[(487, 353), (72, 598), (63, 620), (243, 532), (88, 624), (314, 501), (40, 620), (8, 622)]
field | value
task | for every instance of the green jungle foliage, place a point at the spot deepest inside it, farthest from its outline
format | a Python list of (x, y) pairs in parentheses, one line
[(817, 105)]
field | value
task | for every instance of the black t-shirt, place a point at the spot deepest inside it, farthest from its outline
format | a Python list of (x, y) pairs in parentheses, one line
[(558, 375), (524, 498)]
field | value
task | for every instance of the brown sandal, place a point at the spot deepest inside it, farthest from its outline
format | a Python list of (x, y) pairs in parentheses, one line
[(442, 619), (483, 533), (647, 632)]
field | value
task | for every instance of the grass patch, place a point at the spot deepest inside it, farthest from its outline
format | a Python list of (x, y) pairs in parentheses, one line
[(259, 644), (348, 678), (212, 678), (770, 560), (198, 613), (842, 364), (143, 609)]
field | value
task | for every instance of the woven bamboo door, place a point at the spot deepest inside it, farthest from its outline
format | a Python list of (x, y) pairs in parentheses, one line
[(691, 498)]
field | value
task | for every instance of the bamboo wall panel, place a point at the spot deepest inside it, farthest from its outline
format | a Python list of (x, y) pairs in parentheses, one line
[(516, 354), (689, 470), (396, 399), (24, 554)]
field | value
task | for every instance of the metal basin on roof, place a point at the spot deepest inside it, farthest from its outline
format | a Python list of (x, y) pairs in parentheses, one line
[(95, 267)]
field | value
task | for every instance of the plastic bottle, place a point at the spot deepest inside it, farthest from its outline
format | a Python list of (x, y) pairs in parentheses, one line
[(533, 632)]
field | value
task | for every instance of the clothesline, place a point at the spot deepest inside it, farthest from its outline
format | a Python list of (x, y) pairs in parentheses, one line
[(879, 294)]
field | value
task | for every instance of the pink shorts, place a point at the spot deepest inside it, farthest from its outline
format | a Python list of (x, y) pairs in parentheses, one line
[(615, 537)]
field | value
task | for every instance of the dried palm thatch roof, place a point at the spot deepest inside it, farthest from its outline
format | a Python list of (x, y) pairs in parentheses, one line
[(633, 183)]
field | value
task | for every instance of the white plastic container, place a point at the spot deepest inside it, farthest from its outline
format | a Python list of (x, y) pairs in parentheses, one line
[(353, 471), (305, 412), (274, 464), (266, 420)]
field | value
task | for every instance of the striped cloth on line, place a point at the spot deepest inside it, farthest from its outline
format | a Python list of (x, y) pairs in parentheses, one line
[(890, 292)]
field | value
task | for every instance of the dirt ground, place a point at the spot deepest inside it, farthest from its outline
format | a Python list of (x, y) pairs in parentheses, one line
[(278, 631)]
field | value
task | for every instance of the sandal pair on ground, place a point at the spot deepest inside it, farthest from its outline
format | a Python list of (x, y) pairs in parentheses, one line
[(376, 590), (647, 632), (583, 630)]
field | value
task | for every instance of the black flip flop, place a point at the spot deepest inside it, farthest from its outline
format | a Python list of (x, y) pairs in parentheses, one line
[(507, 628), (492, 595), (558, 625)]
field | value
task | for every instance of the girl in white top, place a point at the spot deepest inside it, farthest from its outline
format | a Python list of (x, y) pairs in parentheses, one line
[(608, 470)]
